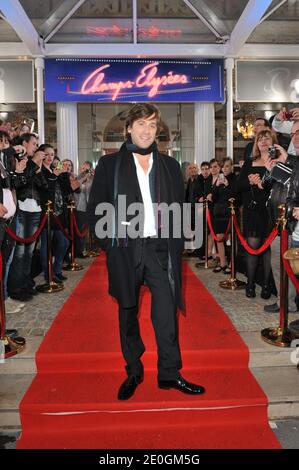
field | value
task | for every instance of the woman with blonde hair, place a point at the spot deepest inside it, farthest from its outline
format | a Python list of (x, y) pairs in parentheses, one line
[(256, 221)]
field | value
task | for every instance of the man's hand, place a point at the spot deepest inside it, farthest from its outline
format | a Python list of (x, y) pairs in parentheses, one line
[(38, 158), (3, 211), (20, 165), (209, 197), (20, 149), (296, 213), (295, 114)]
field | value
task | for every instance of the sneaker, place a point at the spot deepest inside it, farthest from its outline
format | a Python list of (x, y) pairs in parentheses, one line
[(11, 306), (272, 308), (17, 303)]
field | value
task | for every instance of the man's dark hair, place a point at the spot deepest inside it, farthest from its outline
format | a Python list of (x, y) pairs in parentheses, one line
[(266, 122), (5, 135), (214, 160), (141, 111), (26, 137), (226, 159), (205, 164)]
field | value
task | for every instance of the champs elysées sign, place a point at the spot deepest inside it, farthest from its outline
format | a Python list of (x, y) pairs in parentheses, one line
[(127, 80)]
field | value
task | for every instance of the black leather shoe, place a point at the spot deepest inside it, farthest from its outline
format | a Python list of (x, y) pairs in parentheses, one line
[(266, 292), (12, 333), (182, 385), (272, 308), (57, 280), (60, 276), (250, 290), (128, 387)]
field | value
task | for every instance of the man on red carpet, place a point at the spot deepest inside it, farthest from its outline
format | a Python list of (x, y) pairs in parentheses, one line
[(142, 175)]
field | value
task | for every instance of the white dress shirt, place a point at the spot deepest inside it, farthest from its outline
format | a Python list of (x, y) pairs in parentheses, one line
[(149, 229)]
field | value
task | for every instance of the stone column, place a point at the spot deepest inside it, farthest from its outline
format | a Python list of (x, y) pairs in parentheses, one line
[(204, 132), (67, 132), (229, 66), (40, 65)]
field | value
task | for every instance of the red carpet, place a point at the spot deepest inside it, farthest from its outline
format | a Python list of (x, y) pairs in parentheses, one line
[(72, 400)]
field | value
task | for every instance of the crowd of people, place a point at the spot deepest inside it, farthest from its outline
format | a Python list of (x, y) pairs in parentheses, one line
[(267, 176), (31, 176)]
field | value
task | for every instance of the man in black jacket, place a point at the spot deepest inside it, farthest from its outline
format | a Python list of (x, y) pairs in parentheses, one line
[(141, 174)]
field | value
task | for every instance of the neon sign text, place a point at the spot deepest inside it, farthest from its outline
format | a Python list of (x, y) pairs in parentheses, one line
[(147, 78)]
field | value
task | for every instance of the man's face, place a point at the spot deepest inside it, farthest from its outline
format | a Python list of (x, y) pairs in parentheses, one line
[(192, 170), (143, 131), (205, 171), (227, 168), (295, 136), (30, 146), (215, 169), (258, 126)]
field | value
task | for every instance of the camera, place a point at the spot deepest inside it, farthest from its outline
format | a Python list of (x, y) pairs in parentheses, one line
[(287, 116), (273, 152), (20, 156)]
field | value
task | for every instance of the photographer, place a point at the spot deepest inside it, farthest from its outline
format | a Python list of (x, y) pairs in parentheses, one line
[(283, 122), (12, 165), (292, 199), (29, 196), (57, 191), (256, 219)]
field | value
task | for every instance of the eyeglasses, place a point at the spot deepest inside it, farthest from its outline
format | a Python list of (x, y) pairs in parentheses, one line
[(294, 133)]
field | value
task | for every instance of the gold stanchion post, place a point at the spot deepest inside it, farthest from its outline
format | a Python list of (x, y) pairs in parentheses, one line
[(73, 265), (281, 336), (232, 282), (91, 253), (50, 286)]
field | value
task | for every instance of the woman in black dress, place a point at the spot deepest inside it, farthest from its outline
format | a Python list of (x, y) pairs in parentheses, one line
[(223, 190), (256, 221)]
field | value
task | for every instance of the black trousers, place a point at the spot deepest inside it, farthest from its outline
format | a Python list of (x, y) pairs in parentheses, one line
[(152, 271)]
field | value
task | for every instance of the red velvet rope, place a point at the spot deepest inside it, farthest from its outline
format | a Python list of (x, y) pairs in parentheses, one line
[(1, 265), (71, 238), (212, 231), (286, 263), (244, 243), (29, 239), (85, 229)]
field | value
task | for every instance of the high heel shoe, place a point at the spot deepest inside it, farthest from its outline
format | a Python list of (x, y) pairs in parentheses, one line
[(266, 292), (250, 290)]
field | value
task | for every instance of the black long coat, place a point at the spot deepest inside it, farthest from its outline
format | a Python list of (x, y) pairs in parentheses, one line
[(122, 260)]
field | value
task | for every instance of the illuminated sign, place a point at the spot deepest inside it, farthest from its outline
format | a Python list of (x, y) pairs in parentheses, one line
[(115, 30), (127, 80)]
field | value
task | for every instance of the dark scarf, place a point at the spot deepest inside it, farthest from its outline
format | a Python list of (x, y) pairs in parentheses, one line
[(126, 180), (134, 148)]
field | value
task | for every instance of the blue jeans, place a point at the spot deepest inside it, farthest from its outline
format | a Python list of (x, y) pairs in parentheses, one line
[(19, 277), (60, 245)]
